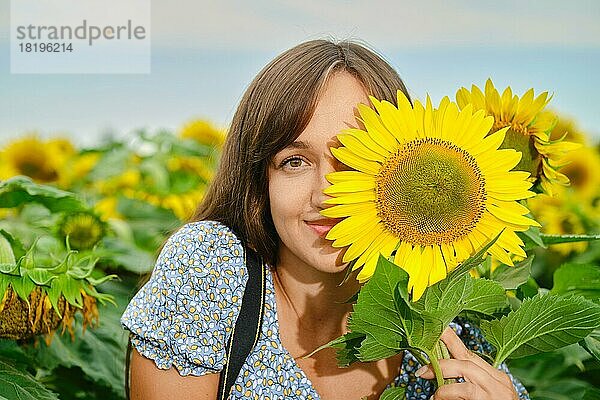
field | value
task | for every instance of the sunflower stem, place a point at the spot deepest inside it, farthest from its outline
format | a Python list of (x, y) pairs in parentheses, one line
[(420, 358), (437, 370), (441, 352)]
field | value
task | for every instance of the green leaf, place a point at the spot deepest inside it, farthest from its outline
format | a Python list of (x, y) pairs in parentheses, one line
[(40, 276), (487, 298), (23, 286), (592, 343), (15, 245), (541, 324), (54, 292), (100, 351), (512, 277), (83, 267), (347, 346), (4, 280), (155, 169), (375, 311), (591, 394), (20, 190), (393, 393), (71, 289), (126, 255), (421, 328), (447, 298), (112, 163), (556, 239), (371, 350), (532, 238), (474, 260), (11, 269), (580, 279), (528, 289), (19, 385), (7, 257)]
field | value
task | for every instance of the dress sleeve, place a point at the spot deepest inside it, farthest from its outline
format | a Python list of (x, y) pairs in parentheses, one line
[(183, 316), (472, 337)]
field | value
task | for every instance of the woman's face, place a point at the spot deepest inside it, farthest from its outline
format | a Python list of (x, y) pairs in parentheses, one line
[(297, 178)]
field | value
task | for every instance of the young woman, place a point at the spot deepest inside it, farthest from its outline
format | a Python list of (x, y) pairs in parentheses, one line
[(266, 196)]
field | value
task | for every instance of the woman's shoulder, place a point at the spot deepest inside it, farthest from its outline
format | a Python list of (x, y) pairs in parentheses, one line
[(203, 247), (207, 236), (183, 315)]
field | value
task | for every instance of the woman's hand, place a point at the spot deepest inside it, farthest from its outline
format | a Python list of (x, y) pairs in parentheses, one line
[(482, 381)]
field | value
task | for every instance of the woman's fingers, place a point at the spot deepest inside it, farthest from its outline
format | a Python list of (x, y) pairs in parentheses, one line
[(482, 381), (452, 368), (458, 350), (472, 391), (460, 391)]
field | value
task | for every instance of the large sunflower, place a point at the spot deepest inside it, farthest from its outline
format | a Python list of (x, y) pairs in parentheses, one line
[(203, 132), (428, 184), (529, 130), (35, 158)]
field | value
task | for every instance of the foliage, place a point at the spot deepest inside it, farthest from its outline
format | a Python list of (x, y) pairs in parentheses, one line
[(142, 189)]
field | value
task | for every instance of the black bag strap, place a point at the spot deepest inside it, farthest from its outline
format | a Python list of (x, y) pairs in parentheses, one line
[(247, 328)]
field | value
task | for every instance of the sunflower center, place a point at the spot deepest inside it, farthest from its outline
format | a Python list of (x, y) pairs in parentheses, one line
[(430, 191), (84, 230), (517, 127)]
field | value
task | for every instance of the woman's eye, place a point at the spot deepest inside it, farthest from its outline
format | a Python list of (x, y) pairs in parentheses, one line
[(293, 162)]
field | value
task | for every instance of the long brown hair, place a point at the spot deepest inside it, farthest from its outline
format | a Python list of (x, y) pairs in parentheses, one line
[(274, 110)]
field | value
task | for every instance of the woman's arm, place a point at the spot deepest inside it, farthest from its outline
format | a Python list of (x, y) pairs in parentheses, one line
[(151, 383)]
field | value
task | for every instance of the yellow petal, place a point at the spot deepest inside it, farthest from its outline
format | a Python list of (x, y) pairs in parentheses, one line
[(345, 210), (358, 148), (358, 197), (354, 161), (350, 186)]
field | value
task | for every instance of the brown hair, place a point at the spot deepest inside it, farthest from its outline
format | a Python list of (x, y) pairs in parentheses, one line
[(274, 110)]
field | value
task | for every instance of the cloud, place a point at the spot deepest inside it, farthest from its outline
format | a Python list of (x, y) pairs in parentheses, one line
[(389, 24), (271, 25)]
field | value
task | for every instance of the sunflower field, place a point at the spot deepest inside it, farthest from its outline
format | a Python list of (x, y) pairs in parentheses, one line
[(80, 228)]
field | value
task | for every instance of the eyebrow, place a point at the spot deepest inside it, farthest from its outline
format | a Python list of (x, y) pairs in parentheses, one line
[(298, 144)]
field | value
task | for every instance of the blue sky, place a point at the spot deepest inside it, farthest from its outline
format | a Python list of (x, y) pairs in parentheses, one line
[(204, 54)]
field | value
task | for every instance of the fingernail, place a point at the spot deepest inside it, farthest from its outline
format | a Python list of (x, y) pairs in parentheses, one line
[(421, 371)]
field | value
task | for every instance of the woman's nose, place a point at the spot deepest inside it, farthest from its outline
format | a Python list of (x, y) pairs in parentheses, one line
[(321, 182)]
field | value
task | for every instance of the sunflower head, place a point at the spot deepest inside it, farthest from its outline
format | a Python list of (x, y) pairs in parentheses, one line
[(28, 156), (84, 229), (582, 166), (429, 188), (77, 168), (203, 132), (528, 130), (564, 214)]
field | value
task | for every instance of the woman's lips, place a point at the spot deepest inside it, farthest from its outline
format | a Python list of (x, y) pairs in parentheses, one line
[(322, 227)]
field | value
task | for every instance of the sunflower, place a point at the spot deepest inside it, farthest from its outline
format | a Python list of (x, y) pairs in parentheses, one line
[(84, 229), (564, 214), (203, 132), (75, 170), (183, 205), (428, 186), (32, 157), (528, 131), (583, 169)]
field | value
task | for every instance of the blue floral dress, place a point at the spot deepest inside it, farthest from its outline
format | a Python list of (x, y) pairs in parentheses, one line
[(184, 315)]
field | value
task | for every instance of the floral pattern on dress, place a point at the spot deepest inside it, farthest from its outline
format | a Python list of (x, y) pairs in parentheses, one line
[(183, 317)]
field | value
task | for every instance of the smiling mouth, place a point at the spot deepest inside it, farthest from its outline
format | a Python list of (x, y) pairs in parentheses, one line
[(322, 227)]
